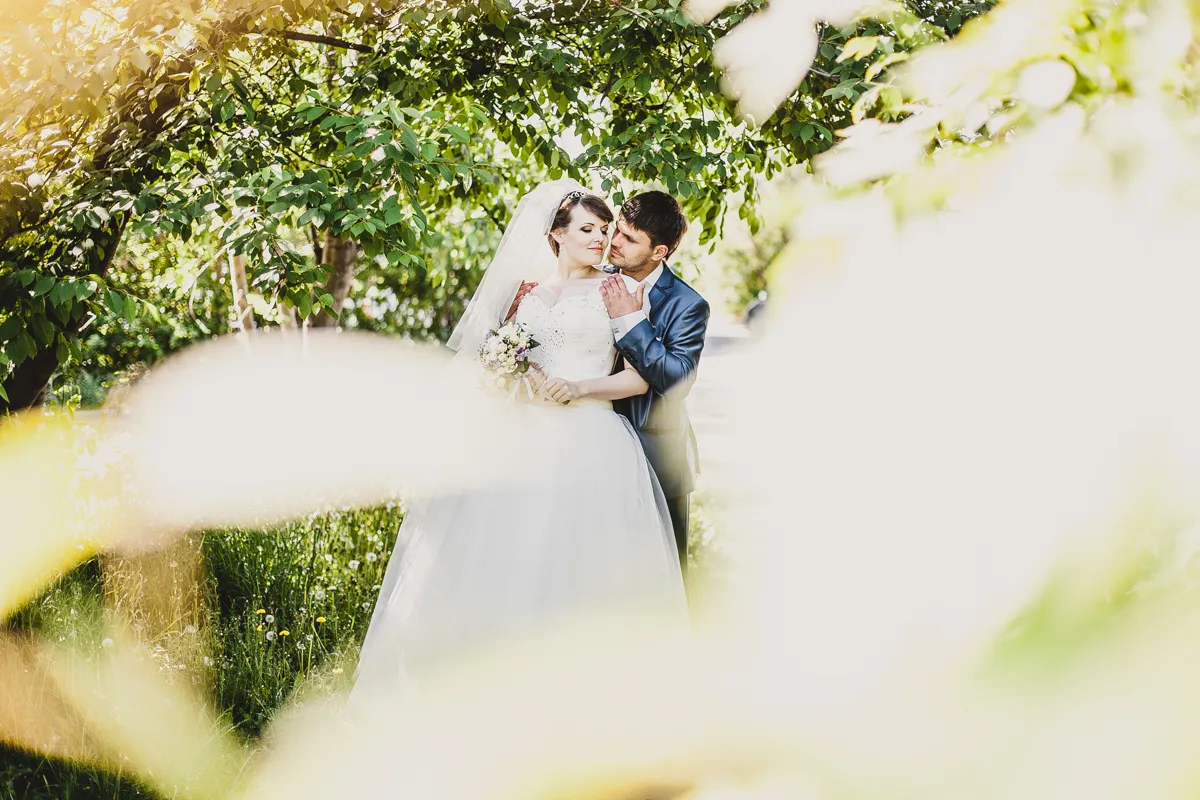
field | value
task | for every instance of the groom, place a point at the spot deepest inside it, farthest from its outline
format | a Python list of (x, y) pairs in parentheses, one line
[(659, 328)]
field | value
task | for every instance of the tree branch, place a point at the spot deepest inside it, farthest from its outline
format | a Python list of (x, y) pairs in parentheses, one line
[(326, 40), (632, 11)]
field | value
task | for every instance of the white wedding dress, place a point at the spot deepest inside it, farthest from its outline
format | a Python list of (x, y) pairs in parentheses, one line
[(588, 529)]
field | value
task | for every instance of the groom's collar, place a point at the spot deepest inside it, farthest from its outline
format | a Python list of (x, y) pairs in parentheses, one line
[(660, 279), (652, 280), (665, 278)]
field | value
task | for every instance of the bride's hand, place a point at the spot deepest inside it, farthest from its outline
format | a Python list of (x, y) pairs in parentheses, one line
[(561, 391)]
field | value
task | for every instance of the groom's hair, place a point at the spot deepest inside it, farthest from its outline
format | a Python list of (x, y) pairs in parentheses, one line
[(562, 217), (659, 216)]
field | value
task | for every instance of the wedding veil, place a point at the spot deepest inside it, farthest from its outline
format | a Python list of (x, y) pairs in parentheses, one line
[(523, 255)]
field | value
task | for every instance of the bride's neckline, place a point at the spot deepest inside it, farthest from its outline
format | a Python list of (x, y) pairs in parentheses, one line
[(574, 282)]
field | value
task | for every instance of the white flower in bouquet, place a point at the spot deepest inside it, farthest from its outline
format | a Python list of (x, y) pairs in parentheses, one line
[(504, 355)]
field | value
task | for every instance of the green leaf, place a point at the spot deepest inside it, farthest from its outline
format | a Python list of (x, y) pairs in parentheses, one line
[(429, 151), (9, 328), (4, 394), (857, 48), (409, 140), (43, 331), (44, 285), (61, 291), (328, 301), (460, 134), (116, 303), (20, 348)]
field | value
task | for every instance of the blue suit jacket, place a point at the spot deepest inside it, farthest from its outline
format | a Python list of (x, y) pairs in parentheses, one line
[(665, 350)]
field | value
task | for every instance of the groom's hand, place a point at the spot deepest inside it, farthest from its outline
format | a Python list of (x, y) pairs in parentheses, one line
[(618, 299), (525, 289)]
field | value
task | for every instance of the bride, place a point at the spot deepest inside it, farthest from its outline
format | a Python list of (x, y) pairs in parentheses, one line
[(588, 529)]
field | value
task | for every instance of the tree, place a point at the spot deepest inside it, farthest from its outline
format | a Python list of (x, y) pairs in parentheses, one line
[(375, 127)]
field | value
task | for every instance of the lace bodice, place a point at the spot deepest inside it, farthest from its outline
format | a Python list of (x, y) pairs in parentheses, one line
[(572, 327)]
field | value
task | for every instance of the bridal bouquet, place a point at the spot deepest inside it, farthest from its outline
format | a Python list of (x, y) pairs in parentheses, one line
[(504, 356)]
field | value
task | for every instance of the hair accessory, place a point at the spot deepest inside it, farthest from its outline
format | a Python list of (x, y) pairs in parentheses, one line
[(575, 195)]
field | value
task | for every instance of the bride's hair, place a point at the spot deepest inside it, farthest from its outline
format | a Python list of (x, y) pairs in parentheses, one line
[(562, 217)]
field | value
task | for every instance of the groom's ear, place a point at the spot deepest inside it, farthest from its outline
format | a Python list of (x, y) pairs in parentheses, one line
[(660, 252)]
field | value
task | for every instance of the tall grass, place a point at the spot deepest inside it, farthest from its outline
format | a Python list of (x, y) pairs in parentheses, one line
[(293, 605), (249, 617)]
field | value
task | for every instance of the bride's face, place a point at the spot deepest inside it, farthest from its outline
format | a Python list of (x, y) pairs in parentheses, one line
[(584, 239)]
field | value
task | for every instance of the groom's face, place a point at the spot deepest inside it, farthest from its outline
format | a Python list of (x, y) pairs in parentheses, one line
[(632, 251)]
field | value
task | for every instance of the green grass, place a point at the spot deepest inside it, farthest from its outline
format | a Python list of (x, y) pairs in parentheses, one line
[(216, 607), (316, 579)]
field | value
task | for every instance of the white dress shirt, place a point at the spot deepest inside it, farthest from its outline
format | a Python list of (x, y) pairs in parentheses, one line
[(623, 325)]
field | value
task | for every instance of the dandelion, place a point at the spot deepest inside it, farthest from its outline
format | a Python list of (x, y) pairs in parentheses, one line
[(270, 636), (366, 606), (284, 633), (107, 644), (371, 557), (259, 628), (353, 564), (320, 619), (190, 629), (308, 637), (318, 594), (261, 611), (208, 662), (269, 618), (329, 558), (300, 646)]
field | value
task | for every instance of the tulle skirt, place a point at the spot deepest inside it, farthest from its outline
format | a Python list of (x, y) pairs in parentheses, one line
[(584, 530)]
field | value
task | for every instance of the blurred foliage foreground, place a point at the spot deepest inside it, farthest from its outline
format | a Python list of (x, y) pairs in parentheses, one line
[(963, 513)]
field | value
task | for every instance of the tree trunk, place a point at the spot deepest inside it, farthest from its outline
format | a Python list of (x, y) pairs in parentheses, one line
[(26, 386), (241, 293), (338, 254)]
